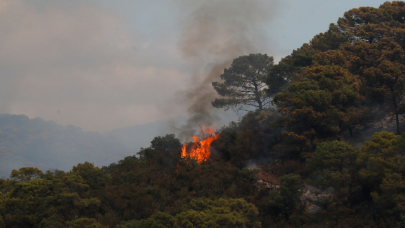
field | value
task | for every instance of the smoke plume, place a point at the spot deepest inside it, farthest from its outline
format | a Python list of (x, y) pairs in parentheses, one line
[(213, 34)]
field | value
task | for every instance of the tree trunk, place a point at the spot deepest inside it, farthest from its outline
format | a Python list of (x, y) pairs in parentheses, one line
[(4, 218), (397, 120), (396, 114), (258, 100)]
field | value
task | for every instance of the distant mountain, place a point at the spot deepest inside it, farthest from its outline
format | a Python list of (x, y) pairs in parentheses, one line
[(44, 144), (137, 136)]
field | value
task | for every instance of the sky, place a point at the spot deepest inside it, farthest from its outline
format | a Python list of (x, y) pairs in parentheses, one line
[(102, 65)]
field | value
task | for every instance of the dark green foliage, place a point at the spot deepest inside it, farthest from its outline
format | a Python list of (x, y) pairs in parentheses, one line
[(291, 66), (26, 174), (165, 144), (159, 220), (54, 221), (382, 172), (164, 151), (129, 224), (93, 176), (287, 200), (46, 202), (334, 164), (84, 223), (320, 106), (282, 73), (137, 193), (208, 213), (252, 137)]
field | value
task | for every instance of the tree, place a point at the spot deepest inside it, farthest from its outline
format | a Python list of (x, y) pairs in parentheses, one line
[(333, 160), (324, 102), (162, 151), (282, 73), (379, 157), (372, 41), (287, 200), (209, 213), (244, 83), (381, 67), (84, 223), (159, 219), (26, 174), (94, 176), (335, 166), (166, 144), (382, 172), (45, 202), (377, 50), (129, 224)]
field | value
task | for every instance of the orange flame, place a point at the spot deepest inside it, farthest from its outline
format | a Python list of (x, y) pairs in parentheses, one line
[(200, 150)]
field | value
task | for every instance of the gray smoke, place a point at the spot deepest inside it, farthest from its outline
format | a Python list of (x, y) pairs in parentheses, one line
[(213, 34)]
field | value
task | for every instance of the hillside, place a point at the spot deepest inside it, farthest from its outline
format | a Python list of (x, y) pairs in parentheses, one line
[(327, 151)]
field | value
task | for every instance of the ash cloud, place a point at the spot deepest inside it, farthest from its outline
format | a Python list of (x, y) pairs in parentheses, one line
[(213, 34)]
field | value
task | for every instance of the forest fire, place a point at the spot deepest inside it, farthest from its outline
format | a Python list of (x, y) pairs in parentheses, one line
[(200, 150)]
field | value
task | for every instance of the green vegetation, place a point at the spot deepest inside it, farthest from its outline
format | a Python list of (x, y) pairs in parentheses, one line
[(208, 213), (332, 166)]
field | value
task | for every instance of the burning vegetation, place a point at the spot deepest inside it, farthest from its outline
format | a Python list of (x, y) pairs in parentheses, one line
[(313, 171), (200, 150)]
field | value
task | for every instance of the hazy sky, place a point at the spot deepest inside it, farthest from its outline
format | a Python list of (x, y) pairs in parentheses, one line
[(103, 64)]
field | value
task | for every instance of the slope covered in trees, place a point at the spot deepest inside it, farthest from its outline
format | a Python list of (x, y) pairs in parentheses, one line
[(322, 174)]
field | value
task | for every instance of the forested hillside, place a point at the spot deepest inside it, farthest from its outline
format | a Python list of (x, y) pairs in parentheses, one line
[(327, 151)]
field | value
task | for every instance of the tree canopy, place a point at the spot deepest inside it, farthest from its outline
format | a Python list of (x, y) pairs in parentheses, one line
[(244, 83)]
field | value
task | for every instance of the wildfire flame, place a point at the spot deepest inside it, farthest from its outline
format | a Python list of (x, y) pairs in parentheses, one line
[(200, 150)]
